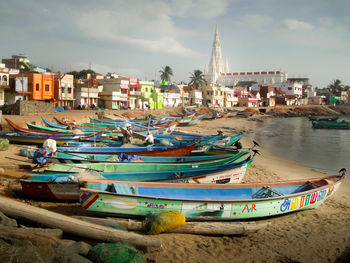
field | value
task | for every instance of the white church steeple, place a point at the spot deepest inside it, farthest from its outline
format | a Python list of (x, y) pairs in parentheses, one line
[(216, 64)]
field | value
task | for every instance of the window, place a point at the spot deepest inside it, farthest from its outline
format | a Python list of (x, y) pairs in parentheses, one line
[(69, 90), (289, 88), (37, 87), (47, 87)]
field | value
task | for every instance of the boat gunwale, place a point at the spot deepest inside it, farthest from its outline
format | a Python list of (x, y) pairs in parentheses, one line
[(331, 181)]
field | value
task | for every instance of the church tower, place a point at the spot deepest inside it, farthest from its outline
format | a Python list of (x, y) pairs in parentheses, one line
[(216, 64)]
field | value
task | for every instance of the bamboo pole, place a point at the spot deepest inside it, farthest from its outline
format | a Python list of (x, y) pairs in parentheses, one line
[(74, 226), (200, 228)]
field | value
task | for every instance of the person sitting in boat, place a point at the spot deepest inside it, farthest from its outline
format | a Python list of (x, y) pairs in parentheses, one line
[(127, 138), (149, 138), (40, 157)]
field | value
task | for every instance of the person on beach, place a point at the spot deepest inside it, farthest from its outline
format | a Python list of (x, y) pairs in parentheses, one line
[(127, 138), (220, 133), (40, 157), (149, 138)]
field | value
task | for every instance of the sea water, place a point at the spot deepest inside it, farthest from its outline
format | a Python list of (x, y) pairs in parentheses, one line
[(324, 150)]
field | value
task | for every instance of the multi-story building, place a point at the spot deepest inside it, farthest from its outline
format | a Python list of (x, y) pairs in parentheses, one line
[(22, 63), (115, 94), (135, 101), (195, 96), (230, 99), (40, 86), (147, 88), (4, 83), (172, 95), (246, 98), (292, 87), (18, 89), (213, 95), (64, 90), (86, 93)]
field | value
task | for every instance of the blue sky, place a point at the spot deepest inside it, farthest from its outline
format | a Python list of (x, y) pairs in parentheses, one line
[(137, 38)]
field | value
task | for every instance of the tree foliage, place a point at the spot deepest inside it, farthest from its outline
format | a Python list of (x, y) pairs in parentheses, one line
[(196, 78), (166, 73), (82, 74)]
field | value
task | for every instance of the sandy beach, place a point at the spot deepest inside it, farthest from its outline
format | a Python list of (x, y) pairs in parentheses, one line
[(319, 235)]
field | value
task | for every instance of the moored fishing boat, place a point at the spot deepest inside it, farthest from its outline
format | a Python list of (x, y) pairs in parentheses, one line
[(143, 151), (205, 202), (331, 124), (80, 157), (52, 186), (125, 167)]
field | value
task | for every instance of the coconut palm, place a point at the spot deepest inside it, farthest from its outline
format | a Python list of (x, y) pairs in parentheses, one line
[(197, 78), (336, 86), (166, 73)]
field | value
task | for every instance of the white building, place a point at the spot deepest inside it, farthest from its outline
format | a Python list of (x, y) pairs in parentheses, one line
[(218, 72), (292, 88), (4, 82)]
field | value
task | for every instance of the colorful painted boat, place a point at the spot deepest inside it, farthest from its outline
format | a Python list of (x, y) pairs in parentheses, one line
[(39, 139), (331, 124), (63, 186), (79, 157), (207, 201), (54, 125), (33, 139), (143, 151), (134, 167)]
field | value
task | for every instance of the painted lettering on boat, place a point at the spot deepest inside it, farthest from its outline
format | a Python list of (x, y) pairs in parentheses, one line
[(302, 201), (155, 205), (246, 207)]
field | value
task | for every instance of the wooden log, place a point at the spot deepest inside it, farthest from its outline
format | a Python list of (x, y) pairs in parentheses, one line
[(74, 226), (200, 228)]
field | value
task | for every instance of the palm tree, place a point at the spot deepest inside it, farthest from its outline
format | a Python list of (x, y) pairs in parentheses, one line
[(166, 73), (197, 78), (336, 86)]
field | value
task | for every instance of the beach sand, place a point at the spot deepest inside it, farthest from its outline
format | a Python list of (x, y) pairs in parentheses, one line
[(318, 235)]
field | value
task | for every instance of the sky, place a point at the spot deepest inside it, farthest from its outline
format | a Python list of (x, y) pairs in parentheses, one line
[(137, 38)]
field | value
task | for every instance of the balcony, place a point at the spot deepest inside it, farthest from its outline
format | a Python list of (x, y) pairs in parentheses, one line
[(3, 83), (135, 93)]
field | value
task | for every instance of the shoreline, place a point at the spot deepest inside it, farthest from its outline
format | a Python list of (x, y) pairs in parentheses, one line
[(318, 235)]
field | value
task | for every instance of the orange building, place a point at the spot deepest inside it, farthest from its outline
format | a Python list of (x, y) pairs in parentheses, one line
[(40, 86)]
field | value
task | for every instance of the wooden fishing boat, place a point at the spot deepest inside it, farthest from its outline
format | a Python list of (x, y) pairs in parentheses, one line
[(124, 167), (39, 139), (79, 157), (54, 125), (85, 130), (143, 151), (64, 186), (88, 125), (34, 139), (331, 125), (323, 118), (207, 201)]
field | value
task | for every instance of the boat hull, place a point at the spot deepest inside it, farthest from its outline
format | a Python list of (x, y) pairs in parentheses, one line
[(136, 205)]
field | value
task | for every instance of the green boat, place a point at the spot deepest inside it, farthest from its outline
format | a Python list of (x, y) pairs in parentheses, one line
[(331, 124), (133, 167), (207, 201), (81, 157)]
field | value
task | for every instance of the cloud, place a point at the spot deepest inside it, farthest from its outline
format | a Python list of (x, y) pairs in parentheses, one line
[(199, 8), (256, 21), (297, 25), (104, 69)]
